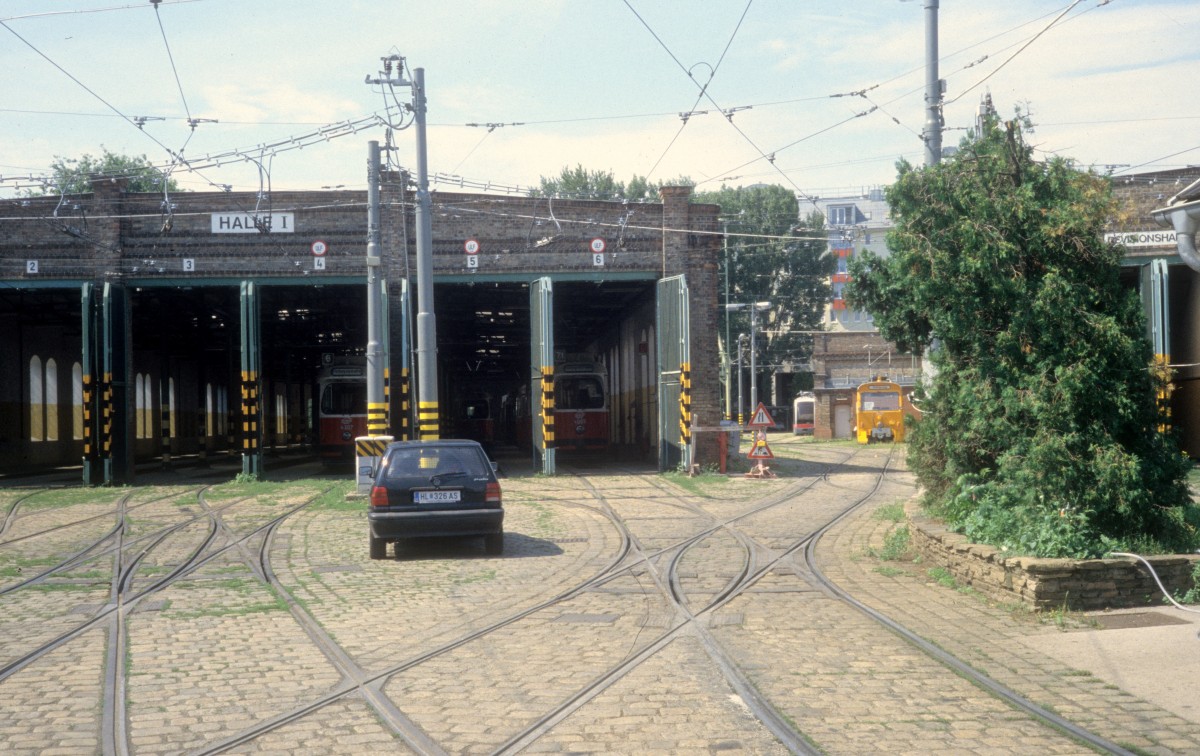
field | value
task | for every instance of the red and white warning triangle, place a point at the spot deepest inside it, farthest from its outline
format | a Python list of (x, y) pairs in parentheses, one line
[(760, 450), (762, 418)]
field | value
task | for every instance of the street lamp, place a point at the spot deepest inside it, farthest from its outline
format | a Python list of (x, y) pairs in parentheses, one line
[(755, 308)]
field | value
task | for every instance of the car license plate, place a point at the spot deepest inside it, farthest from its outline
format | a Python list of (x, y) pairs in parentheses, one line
[(436, 497)]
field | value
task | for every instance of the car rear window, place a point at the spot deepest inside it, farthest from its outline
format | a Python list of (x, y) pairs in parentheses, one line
[(423, 462)]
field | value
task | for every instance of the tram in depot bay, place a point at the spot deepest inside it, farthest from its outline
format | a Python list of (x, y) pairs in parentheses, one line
[(581, 407), (341, 408), (803, 413), (879, 411)]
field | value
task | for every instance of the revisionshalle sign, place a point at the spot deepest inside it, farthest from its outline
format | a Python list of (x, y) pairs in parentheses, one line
[(1142, 238)]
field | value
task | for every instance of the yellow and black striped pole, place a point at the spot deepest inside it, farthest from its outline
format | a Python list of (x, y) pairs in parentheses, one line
[(106, 414), (249, 412), (368, 451), (548, 406), (427, 421), (387, 396), (1162, 372), (89, 429), (685, 405), (376, 418), (405, 405)]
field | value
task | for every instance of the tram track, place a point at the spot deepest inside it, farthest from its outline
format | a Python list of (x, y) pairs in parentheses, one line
[(670, 587), (369, 687), (112, 541), (656, 569), (123, 596), (616, 568), (806, 551), (960, 667), (10, 513), (352, 674), (686, 622), (766, 712), (371, 684)]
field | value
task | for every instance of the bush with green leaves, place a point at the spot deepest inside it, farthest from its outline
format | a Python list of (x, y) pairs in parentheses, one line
[(1041, 430)]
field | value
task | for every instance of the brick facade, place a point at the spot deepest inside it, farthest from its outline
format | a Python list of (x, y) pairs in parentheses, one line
[(148, 239)]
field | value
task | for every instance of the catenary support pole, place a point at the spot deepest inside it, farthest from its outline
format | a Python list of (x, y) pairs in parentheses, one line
[(933, 88), (427, 391), (376, 405)]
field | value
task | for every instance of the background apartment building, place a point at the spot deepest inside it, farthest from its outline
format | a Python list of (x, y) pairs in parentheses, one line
[(850, 351)]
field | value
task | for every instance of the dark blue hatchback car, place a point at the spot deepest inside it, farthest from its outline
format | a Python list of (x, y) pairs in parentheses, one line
[(438, 488)]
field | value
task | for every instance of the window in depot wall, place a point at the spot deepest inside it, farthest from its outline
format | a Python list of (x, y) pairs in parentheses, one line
[(51, 400), (144, 404), (843, 265), (171, 416), (280, 412), (206, 428), (223, 410), (37, 408)]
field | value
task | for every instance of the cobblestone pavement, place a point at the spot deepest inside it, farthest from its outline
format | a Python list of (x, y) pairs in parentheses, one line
[(993, 639), (472, 652)]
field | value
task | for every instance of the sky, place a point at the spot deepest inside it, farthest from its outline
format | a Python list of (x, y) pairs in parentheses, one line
[(820, 96)]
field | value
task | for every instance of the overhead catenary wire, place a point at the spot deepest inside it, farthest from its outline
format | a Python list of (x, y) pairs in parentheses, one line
[(176, 157), (776, 169), (711, 75), (705, 94), (171, 58), (1020, 50)]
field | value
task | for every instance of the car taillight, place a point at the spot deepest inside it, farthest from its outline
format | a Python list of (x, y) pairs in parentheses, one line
[(379, 496), (492, 496)]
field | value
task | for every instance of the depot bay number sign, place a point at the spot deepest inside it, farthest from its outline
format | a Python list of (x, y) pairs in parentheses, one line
[(253, 223)]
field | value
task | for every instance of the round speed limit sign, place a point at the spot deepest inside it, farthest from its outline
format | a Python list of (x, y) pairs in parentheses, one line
[(319, 248), (471, 246), (598, 245)]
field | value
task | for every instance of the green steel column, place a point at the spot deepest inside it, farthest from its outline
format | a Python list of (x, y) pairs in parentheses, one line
[(674, 374), (90, 366), (251, 404), (115, 443)]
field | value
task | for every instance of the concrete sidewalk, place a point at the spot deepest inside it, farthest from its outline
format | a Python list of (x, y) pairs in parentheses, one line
[(1153, 653)]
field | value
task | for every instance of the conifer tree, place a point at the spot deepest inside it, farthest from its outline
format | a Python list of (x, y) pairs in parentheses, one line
[(1041, 431)]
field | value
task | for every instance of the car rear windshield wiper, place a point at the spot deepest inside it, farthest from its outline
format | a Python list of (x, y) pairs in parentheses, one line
[(438, 478)]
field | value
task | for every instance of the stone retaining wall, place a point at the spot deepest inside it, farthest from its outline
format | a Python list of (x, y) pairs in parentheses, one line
[(1077, 584)]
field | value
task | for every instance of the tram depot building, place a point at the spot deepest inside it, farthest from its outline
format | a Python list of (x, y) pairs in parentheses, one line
[(136, 327)]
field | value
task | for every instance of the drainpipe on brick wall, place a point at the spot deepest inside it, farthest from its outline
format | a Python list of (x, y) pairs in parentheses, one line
[(1183, 214)]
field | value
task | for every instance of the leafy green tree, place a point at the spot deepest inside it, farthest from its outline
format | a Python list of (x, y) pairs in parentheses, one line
[(1041, 429), (580, 183), (74, 175), (774, 255)]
